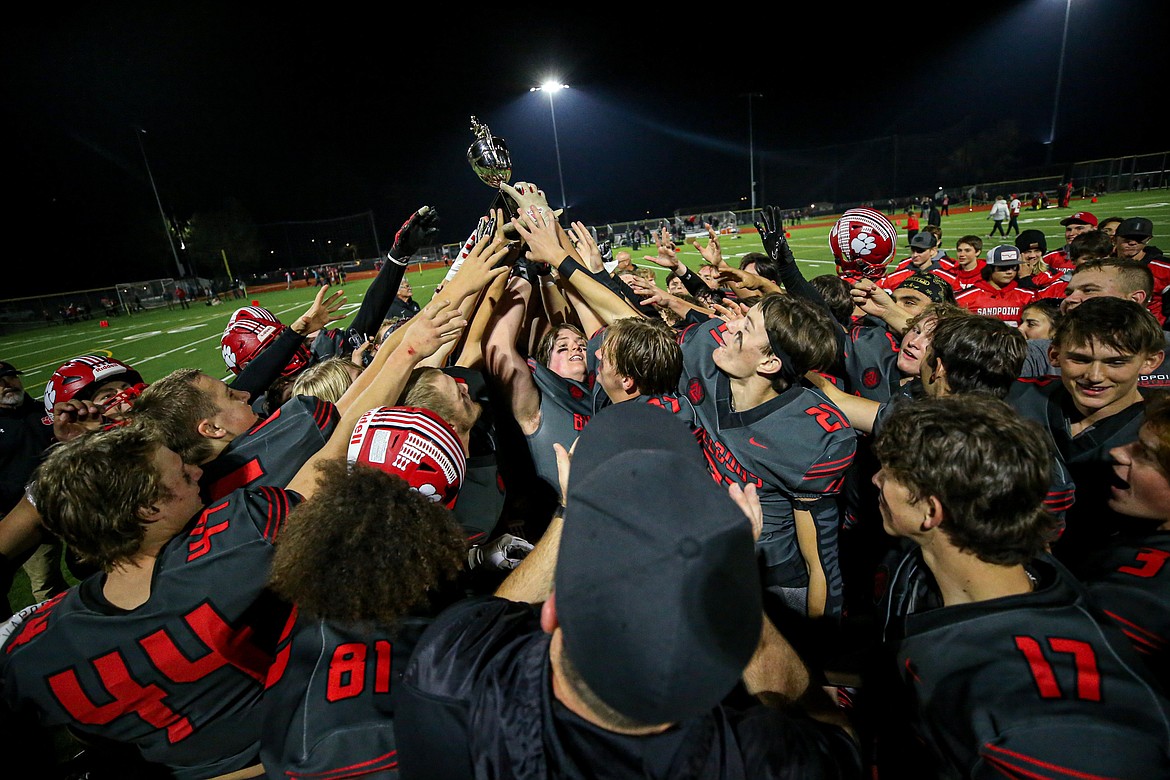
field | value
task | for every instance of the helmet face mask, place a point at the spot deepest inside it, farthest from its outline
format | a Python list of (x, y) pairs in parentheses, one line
[(414, 444), (863, 242), (81, 377)]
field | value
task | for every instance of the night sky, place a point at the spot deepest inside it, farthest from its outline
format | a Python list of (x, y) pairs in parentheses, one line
[(321, 113)]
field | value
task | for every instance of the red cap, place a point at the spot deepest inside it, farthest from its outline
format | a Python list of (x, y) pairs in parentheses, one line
[(1082, 218)]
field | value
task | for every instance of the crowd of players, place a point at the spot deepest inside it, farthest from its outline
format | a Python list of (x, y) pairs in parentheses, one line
[(903, 520)]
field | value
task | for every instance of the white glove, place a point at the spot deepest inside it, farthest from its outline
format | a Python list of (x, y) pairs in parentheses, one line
[(503, 553)]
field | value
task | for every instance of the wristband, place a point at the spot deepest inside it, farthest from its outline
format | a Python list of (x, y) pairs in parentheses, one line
[(396, 261), (568, 267)]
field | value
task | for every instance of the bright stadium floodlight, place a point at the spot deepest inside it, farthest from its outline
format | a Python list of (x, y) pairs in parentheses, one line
[(552, 87)]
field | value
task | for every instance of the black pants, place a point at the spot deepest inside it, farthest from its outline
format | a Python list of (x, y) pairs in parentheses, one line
[(997, 227)]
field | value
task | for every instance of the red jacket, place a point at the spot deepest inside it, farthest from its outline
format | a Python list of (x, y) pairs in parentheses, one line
[(1004, 304)]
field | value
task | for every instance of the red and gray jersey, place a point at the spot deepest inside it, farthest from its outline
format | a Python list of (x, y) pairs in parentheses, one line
[(329, 707), (794, 448), (871, 361), (1130, 581), (330, 342), (274, 450), (1089, 522), (180, 676), (1036, 685), (565, 407)]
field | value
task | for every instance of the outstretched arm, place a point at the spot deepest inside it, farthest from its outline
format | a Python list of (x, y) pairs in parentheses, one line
[(505, 365), (547, 243)]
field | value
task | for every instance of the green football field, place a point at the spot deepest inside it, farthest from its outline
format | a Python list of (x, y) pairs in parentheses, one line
[(159, 341)]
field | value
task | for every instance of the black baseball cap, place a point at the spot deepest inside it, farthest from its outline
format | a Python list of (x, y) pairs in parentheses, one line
[(924, 240), (7, 369), (1135, 227), (1026, 238), (658, 593)]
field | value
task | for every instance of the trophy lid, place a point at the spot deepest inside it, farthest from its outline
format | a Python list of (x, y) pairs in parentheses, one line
[(489, 156)]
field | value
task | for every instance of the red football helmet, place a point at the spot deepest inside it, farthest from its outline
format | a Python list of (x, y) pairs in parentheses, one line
[(81, 377), (246, 337), (415, 444), (258, 313), (863, 241)]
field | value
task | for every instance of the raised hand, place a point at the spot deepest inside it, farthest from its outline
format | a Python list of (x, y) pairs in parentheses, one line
[(541, 233), (482, 265), (420, 229), (586, 247), (324, 310), (712, 254), (529, 200), (872, 299), (75, 417), (771, 231), (745, 280), (439, 323), (667, 256)]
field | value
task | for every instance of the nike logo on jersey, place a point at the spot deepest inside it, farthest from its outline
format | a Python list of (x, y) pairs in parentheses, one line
[(752, 440)]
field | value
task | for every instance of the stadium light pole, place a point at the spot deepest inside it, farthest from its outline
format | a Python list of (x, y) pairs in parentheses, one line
[(552, 87), (752, 150), (158, 200), (1059, 79)]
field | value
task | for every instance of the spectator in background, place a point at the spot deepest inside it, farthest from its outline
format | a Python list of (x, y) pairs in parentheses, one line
[(1074, 225), (404, 304), (1108, 226), (1132, 242), (968, 263), (912, 225), (997, 215), (933, 215), (181, 296), (1014, 207)]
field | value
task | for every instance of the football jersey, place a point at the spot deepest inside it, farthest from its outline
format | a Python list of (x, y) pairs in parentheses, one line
[(329, 707), (795, 446), (871, 362), (181, 675), (273, 451), (1089, 522), (1035, 685), (1130, 581), (565, 407)]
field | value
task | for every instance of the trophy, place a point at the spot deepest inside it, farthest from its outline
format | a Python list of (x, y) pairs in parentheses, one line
[(489, 158)]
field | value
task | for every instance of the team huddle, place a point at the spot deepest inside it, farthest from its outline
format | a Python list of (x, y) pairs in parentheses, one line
[(903, 520)]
